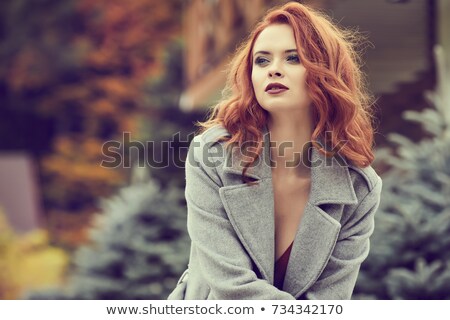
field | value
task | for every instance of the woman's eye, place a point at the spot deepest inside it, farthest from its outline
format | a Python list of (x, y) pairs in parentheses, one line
[(261, 60), (293, 58)]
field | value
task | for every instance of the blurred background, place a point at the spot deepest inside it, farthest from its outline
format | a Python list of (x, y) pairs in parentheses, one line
[(77, 74)]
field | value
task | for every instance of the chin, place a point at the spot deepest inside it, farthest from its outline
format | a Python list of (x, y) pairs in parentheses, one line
[(277, 107)]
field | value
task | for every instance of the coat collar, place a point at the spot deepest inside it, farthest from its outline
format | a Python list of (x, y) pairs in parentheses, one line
[(326, 174), (251, 212)]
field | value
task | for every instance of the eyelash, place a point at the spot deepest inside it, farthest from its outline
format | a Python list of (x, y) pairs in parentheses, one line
[(261, 60)]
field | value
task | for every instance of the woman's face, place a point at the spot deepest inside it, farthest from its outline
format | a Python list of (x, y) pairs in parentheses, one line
[(278, 77)]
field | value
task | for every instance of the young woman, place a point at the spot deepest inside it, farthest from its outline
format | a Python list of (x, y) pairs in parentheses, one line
[(280, 193)]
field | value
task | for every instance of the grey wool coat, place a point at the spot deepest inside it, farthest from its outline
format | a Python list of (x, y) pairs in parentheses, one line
[(231, 226)]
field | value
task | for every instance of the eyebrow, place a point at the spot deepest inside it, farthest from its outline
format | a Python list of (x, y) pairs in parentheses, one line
[(268, 52)]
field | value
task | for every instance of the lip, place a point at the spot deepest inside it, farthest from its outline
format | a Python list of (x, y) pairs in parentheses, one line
[(276, 91), (275, 88)]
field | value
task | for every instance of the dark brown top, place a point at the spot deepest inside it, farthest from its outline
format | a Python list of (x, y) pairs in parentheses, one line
[(280, 268)]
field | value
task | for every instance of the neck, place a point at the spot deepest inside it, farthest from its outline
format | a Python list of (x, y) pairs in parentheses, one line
[(290, 136)]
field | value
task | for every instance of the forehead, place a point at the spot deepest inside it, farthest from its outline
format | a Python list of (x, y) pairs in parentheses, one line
[(275, 37)]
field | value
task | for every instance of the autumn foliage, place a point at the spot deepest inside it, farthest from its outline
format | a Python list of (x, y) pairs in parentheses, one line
[(28, 261), (72, 78)]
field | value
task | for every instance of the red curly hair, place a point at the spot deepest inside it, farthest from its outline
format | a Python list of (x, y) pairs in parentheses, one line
[(336, 85)]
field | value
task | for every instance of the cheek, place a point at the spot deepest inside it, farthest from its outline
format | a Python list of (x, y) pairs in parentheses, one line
[(256, 81), (301, 79), (303, 76)]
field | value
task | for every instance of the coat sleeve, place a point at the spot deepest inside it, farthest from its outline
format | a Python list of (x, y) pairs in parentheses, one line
[(225, 265), (339, 276)]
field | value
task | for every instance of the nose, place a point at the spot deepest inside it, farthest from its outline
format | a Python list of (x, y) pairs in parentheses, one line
[(274, 71), (275, 74)]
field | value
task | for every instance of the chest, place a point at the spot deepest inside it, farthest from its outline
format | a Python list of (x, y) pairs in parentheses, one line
[(290, 198)]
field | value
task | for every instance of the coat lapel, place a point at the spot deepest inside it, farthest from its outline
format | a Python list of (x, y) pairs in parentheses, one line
[(317, 232), (251, 212), (250, 209)]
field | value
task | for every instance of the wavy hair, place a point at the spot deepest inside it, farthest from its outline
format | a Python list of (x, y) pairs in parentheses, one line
[(336, 85)]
